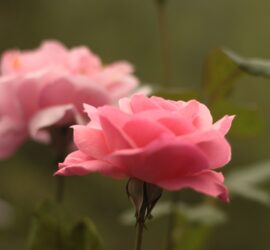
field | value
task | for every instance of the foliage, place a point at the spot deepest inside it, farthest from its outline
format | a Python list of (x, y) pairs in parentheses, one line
[(246, 182), (53, 230)]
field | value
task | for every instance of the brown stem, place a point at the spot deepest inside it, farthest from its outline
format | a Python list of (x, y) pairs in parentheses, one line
[(164, 41), (60, 142), (172, 219), (139, 236)]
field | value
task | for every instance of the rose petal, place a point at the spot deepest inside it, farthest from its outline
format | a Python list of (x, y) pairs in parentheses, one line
[(177, 124), (143, 131), (224, 124), (90, 141), (207, 182), (213, 144), (12, 136), (141, 103), (78, 163), (51, 116), (116, 138), (164, 159), (50, 94), (203, 118)]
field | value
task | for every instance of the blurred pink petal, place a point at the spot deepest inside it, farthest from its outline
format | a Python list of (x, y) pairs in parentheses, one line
[(56, 115), (48, 86)]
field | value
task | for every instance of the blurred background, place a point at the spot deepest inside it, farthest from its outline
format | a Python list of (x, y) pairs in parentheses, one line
[(127, 29)]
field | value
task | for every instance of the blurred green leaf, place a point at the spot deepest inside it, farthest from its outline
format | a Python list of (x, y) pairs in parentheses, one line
[(253, 66), (206, 214), (202, 214), (176, 93), (194, 225), (219, 72), (49, 230), (248, 121), (52, 230), (223, 66), (246, 182), (84, 236), (190, 236)]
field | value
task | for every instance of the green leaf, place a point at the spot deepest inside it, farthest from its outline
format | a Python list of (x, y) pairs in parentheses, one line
[(246, 182), (194, 225), (49, 230), (53, 229), (248, 121), (219, 72), (84, 236), (206, 214), (176, 93), (223, 66), (252, 66), (202, 214)]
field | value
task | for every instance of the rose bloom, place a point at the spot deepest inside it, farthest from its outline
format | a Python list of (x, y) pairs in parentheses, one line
[(171, 144), (47, 86)]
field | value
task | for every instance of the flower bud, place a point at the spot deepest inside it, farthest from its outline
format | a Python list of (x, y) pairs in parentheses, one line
[(144, 196)]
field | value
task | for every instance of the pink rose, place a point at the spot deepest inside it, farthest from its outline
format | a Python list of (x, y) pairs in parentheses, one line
[(47, 86), (171, 144)]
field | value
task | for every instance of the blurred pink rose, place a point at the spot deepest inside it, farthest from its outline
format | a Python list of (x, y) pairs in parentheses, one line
[(47, 86), (172, 144)]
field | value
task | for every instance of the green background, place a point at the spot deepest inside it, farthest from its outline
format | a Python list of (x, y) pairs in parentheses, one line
[(126, 29)]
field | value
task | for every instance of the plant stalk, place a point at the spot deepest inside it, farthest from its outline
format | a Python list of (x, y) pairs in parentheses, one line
[(172, 219), (60, 143), (164, 41), (139, 235)]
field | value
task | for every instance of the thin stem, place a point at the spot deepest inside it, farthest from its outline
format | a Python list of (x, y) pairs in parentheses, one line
[(139, 236), (164, 41), (172, 219), (60, 143)]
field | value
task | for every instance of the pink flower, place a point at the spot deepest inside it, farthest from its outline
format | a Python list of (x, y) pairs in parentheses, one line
[(171, 144), (47, 86)]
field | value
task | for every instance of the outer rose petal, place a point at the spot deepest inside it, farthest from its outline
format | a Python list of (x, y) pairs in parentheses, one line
[(116, 116), (28, 105), (166, 104), (12, 136), (124, 105), (78, 163), (90, 141), (48, 54), (92, 113), (207, 182), (224, 124), (8, 98), (141, 103), (50, 94), (204, 118), (83, 61), (213, 144), (116, 138), (55, 115), (162, 160)]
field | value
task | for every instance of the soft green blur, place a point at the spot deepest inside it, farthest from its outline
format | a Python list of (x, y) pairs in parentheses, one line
[(126, 29)]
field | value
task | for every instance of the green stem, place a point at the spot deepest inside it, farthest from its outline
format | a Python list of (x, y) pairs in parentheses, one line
[(164, 41), (172, 219)]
